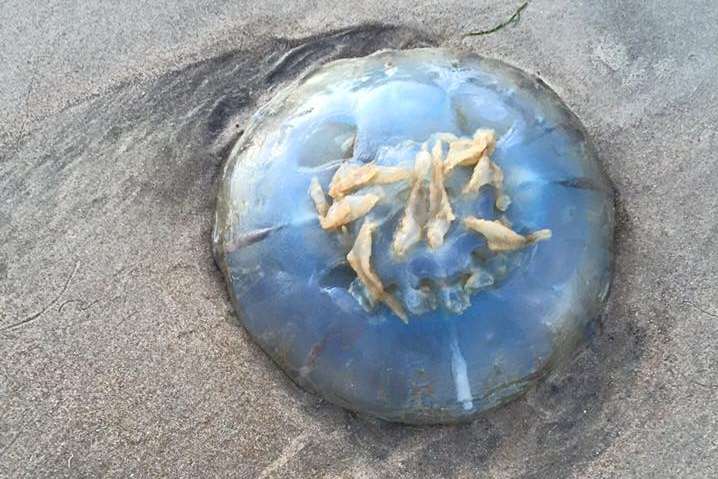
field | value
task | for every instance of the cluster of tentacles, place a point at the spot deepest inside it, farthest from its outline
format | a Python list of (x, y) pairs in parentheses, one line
[(428, 213)]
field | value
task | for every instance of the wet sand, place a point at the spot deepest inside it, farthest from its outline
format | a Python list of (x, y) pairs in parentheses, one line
[(120, 354)]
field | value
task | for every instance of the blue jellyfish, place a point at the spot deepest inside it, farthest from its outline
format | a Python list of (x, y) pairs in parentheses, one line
[(416, 235)]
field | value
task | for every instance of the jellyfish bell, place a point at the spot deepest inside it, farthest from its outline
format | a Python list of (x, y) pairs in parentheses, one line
[(417, 235)]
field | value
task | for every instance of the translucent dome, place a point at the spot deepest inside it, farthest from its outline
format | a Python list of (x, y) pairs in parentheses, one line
[(417, 235)]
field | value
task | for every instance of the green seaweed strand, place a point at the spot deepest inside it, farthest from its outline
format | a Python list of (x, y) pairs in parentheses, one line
[(513, 19)]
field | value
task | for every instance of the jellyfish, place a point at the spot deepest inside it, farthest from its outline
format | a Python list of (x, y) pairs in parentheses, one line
[(416, 235)]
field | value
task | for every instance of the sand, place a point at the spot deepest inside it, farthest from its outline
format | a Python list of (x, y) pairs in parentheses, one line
[(119, 352)]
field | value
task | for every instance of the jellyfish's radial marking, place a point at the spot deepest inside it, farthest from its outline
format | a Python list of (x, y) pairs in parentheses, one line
[(248, 238), (461, 376)]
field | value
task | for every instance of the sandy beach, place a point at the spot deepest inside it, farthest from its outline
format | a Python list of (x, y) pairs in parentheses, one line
[(120, 355)]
